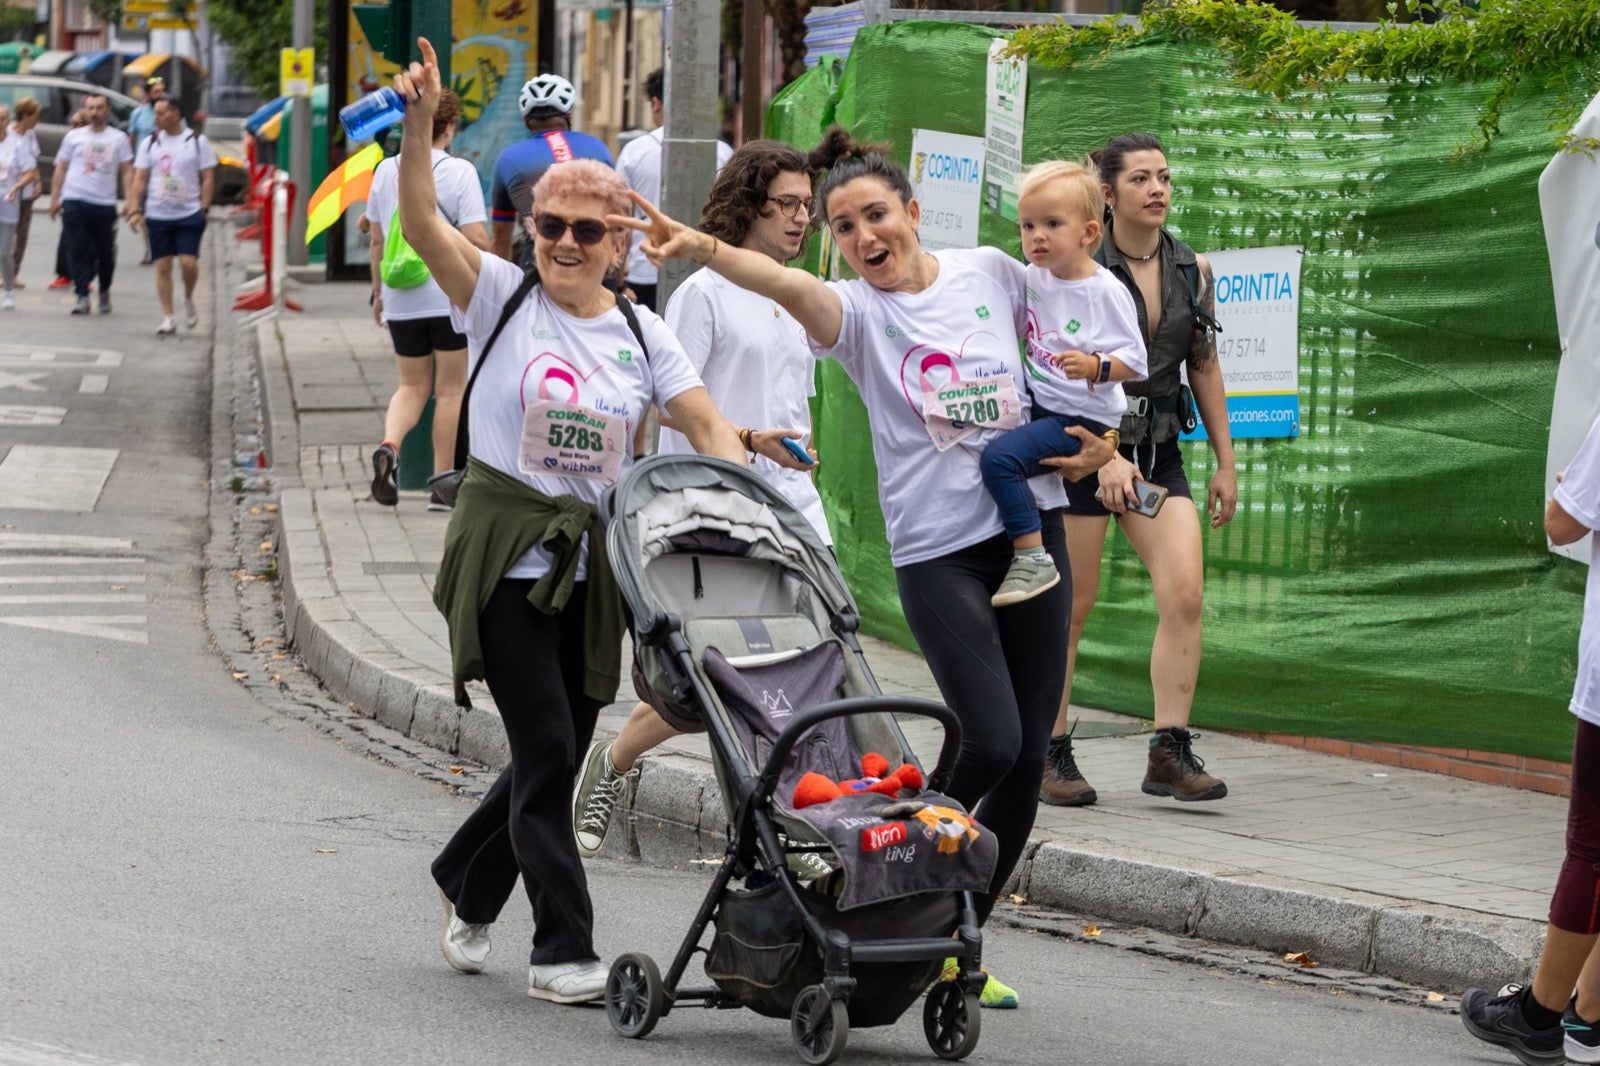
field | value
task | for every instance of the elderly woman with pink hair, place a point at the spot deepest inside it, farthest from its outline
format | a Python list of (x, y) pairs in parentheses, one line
[(533, 609)]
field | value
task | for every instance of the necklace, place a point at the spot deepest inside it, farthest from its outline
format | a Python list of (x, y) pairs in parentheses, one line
[(1140, 258)]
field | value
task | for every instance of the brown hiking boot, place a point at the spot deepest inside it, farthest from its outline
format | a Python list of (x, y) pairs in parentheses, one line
[(1063, 785), (1176, 771)]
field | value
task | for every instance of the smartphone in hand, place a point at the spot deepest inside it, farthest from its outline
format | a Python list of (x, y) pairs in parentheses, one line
[(1147, 498), (798, 450)]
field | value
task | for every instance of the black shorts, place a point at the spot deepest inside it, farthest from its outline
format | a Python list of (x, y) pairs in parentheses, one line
[(1166, 470), (176, 236), (416, 337)]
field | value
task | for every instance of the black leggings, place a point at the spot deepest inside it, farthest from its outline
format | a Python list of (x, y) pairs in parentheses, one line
[(1002, 671), (524, 823)]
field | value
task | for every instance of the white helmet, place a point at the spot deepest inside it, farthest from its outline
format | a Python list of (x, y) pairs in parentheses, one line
[(547, 92)]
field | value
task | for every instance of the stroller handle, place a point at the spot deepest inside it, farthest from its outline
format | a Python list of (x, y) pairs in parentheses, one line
[(761, 791)]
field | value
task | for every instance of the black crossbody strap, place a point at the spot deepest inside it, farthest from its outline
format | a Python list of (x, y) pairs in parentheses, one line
[(529, 280)]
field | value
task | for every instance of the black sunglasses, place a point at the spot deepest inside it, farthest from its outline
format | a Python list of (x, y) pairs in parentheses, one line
[(584, 230)]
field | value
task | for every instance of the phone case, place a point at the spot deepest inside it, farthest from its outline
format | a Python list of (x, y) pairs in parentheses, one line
[(797, 451)]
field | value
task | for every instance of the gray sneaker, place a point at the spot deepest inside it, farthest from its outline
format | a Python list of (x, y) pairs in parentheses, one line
[(105, 303), (599, 788), (465, 946), (81, 307), (1028, 576), (568, 982)]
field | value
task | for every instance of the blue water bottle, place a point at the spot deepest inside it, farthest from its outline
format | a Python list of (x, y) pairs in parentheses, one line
[(373, 112)]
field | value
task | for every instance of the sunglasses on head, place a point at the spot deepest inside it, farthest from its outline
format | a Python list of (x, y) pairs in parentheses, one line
[(584, 230)]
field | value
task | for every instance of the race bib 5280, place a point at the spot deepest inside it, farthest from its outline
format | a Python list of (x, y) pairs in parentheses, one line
[(958, 408)]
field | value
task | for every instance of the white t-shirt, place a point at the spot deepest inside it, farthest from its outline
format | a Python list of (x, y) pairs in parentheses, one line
[(1579, 495), (18, 155), (754, 359), (890, 343), (92, 161), (639, 163), (545, 353), (1092, 315), (458, 200), (32, 137), (174, 163)]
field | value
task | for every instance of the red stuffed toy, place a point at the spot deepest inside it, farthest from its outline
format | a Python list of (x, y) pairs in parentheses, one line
[(814, 788)]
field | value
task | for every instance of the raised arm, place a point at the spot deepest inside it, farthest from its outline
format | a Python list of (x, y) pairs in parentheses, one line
[(451, 258), (813, 304)]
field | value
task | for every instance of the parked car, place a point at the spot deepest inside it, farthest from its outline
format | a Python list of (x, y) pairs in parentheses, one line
[(60, 97)]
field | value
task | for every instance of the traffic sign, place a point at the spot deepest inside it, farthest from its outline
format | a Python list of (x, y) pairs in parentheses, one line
[(142, 23)]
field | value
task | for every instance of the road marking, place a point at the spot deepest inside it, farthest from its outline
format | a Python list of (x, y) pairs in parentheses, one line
[(73, 579), (41, 478), (38, 541), (76, 560), (12, 414), (25, 382), (94, 383), (108, 626), (19, 355), (72, 597), (16, 1052)]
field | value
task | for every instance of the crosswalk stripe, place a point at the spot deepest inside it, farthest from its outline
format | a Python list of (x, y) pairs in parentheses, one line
[(73, 579), (40, 478), (100, 597), (68, 560), (109, 626), (17, 1052), (28, 541), (20, 355), (16, 414)]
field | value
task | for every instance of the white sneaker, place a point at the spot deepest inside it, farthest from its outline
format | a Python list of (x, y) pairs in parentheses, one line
[(168, 325), (191, 317), (465, 946), (9, 302), (568, 982)]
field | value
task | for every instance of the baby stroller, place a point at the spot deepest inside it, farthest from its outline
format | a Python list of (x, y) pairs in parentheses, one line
[(839, 914)]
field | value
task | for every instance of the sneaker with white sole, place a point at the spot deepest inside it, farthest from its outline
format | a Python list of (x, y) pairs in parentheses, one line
[(80, 306), (191, 317), (8, 303), (1027, 576), (105, 303), (465, 946), (168, 325), (599, 787), (1582, 1041), (568, 982)]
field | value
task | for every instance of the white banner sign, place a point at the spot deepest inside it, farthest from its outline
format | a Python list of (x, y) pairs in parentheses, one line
[(947, 179), (1572, 234), (1258, 308), (1006, 99)]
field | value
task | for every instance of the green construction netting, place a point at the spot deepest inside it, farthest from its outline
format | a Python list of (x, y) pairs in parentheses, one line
[(1386, 577)]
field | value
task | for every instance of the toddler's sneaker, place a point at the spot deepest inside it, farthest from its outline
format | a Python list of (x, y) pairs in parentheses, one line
[(1499, 1020), (568, 982), (465, 946), (1028, 576), (168, 325)]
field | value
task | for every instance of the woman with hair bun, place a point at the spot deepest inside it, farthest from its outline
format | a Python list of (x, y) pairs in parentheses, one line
[(1172, 292), (912, 332)]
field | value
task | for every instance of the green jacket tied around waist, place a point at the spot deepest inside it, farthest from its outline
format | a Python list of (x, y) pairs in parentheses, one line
[(496, 520)]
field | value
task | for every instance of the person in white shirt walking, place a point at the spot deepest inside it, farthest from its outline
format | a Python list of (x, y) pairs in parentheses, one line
[(639, 163), (25, 117), (430, 353), (753, 357), (83, 194), (174, 178), (19, 165)]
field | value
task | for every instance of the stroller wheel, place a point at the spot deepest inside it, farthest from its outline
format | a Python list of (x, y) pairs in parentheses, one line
[(950, 1019), (635, 996), (819, 1025)]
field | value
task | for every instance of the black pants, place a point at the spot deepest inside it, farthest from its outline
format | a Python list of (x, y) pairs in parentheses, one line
[(524, 823), (90, 233), (24, 223), (1002, 671)]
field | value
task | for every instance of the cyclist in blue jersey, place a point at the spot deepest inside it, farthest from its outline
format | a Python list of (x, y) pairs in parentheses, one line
[(547, 111)]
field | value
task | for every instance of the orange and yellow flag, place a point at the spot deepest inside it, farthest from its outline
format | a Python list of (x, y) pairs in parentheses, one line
[(345, 186)]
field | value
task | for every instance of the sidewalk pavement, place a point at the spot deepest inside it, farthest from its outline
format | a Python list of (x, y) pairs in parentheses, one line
[(1425, 878)]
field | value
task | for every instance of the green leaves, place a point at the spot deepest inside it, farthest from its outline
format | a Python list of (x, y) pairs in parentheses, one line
[(1505, 44)]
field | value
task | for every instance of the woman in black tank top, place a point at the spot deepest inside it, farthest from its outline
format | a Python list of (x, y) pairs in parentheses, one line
[(1169, 284)]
